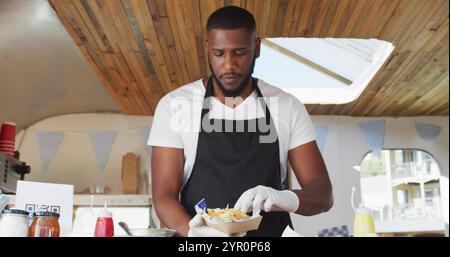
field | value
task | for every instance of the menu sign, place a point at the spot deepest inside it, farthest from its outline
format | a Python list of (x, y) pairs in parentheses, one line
[(36, 196)]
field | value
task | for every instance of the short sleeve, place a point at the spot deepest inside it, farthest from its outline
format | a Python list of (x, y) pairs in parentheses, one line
[(161, 133), (301, 127)]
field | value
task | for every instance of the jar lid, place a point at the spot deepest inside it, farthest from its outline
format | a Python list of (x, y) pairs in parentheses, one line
[(14, 211), (46, 214)]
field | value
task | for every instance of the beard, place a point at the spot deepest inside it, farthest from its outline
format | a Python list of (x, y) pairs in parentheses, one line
[(238, 91)]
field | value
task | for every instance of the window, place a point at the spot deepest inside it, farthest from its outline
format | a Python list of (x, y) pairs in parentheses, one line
[(373, 165), (321, 70), (401, 184), (402, 197), (429, 193)]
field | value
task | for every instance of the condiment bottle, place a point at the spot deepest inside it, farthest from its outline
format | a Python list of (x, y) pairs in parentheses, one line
[(45, 224), (104, 226)]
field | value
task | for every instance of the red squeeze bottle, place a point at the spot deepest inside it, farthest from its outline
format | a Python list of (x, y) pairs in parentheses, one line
[(104, 226)]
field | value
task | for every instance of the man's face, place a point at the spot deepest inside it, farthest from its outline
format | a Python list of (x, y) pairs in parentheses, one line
[(231, 56)]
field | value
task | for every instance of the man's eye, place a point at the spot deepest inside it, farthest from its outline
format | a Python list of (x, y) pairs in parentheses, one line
[(241, 52), (217, 53)]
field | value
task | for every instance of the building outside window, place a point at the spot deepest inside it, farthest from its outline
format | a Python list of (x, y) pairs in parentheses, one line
[(402, 186)]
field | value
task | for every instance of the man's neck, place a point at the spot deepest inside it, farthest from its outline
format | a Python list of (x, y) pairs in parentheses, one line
[(231, 102)]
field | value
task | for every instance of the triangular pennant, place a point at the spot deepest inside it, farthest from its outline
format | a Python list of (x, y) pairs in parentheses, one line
[(373, 132), (48, 144), (427, 132), (321, 136), (144, 133), (102, 143)]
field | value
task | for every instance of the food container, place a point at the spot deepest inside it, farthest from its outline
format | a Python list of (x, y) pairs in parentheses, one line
[(151, 232), (234, 227), (13, 223), (228, 226), (45, 224)]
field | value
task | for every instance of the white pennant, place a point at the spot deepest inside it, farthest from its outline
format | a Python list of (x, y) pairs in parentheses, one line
[(427, 132), (102, 143), (373, 131), (48, 144), (321, 136)]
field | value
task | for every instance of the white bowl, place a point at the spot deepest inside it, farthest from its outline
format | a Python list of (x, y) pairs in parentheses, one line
[(152, 232)]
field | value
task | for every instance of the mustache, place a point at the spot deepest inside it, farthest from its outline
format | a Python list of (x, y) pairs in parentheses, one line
[(230, 75)]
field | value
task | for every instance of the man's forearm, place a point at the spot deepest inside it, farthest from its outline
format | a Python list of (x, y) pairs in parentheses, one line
[(172, 214), (315, 198)]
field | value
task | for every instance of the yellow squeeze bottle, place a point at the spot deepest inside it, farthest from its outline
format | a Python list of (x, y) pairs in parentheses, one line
[(363, 224)]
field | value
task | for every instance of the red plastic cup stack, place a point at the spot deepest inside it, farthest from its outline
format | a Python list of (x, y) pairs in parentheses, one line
[(8, 138)]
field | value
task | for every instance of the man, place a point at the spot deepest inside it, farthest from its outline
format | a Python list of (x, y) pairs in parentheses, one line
[(245, 169)]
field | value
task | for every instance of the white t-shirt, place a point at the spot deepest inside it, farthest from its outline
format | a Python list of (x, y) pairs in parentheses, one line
[(176, 123)]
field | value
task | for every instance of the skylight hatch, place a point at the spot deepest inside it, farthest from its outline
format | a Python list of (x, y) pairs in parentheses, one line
[(321, 70)]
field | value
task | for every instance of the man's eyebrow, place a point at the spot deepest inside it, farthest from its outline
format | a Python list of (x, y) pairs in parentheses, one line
[(235, 49)]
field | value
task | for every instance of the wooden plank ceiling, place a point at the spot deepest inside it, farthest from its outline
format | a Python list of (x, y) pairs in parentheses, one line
[(142, 49)]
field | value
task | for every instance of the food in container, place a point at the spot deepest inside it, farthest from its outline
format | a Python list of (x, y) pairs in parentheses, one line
[(226, 214), (228, 220), (45, 224)]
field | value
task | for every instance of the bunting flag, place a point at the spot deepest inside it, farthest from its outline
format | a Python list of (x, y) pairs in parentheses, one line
[(102, 143), (321, 136), (48, 144), (427, 132), (144, 133), (373, 132)]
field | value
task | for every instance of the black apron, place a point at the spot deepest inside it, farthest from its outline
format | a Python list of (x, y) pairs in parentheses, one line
[(229, 163)]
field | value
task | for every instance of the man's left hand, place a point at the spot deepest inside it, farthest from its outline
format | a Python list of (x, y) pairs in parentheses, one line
[(267, 199)]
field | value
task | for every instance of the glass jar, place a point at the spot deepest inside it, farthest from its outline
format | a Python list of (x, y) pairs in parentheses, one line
[(14, 223), (45, 224)]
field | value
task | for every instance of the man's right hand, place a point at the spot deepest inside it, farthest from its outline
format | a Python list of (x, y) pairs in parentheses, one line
[(198, 228)]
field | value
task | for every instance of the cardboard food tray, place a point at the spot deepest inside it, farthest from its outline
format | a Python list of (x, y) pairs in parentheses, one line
[(236, 226)]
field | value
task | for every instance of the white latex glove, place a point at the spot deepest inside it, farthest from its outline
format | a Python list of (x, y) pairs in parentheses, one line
[(265, 198), (198, 228)]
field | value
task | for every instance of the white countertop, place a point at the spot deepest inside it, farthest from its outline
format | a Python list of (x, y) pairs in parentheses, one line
[(405, 226)]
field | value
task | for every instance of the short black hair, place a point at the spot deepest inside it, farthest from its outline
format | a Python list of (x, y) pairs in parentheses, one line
[(231, 17)]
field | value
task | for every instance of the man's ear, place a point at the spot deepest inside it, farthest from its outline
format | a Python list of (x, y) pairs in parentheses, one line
[(257, 47)]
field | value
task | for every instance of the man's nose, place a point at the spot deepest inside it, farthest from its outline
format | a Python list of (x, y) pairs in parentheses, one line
[(229, 62)]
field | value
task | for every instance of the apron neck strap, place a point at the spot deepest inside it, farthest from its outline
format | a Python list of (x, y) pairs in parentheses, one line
[(210, 89)]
